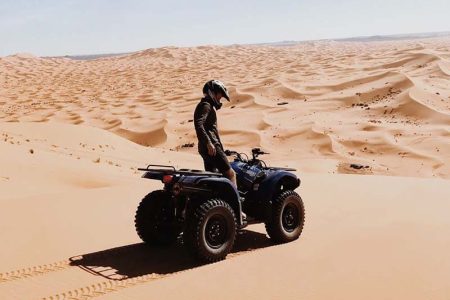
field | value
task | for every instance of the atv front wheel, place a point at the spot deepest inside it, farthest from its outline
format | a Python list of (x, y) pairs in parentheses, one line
[(288, 217), (211, 231), (155, 221)]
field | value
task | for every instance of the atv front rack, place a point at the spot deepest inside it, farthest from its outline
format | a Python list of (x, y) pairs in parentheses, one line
[(171, 170)]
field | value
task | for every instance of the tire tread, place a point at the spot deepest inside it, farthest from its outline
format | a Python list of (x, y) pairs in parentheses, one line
[(273, 230)]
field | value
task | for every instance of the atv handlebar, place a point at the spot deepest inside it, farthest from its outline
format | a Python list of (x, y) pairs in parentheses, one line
[(255, 153), (230, 152), (237, 154)]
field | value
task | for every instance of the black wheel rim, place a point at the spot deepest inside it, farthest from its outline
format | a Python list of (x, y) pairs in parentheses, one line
[(216, 231), (290, 217)]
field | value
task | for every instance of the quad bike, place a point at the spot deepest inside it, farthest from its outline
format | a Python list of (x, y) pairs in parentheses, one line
[(207, 209)]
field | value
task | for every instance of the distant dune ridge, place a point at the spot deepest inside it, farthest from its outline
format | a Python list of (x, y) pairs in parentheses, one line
[(74, 132)]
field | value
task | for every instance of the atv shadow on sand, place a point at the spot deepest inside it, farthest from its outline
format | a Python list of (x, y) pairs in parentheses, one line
[(140, 259)]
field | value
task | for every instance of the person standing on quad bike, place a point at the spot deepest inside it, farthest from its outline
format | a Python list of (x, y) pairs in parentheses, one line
[(205, 121)]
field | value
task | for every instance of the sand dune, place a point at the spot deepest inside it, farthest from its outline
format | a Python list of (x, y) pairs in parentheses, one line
[(73, 133), (148, 96), (78, 241)]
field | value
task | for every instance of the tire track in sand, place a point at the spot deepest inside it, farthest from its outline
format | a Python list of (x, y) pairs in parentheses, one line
[(34, 271), (43, 269), (105, 287), (96, 274)]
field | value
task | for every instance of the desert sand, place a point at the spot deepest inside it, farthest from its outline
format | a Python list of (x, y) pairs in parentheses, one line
[(73, 133)]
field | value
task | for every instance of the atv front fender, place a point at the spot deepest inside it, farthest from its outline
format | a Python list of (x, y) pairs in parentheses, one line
[(275, 182)]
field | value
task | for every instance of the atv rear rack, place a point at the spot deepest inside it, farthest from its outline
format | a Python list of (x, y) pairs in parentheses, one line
[(171, 170)]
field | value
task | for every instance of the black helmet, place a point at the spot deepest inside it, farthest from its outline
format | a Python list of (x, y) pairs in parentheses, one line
[(215, 86)]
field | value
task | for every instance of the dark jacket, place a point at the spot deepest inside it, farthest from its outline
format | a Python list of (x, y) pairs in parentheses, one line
[(205, 122)]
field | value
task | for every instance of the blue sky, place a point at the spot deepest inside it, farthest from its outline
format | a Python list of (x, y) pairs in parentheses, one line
[(67, 27)]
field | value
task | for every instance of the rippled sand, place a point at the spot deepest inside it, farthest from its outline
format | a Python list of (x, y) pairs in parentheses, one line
[(73, 133)]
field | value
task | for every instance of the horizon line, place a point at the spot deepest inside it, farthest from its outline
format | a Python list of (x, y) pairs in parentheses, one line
[(364, 38)]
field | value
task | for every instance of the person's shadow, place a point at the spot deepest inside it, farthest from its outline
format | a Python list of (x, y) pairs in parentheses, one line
[(140, 259)]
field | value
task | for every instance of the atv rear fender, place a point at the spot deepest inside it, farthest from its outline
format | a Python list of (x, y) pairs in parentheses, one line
[(226, 191)]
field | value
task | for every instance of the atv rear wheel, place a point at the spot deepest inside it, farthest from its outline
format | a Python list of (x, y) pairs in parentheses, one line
[(288, 217), (211, 231), (155, 221)]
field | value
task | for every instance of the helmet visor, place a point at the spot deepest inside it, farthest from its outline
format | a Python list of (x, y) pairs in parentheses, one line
[(226, 96)]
